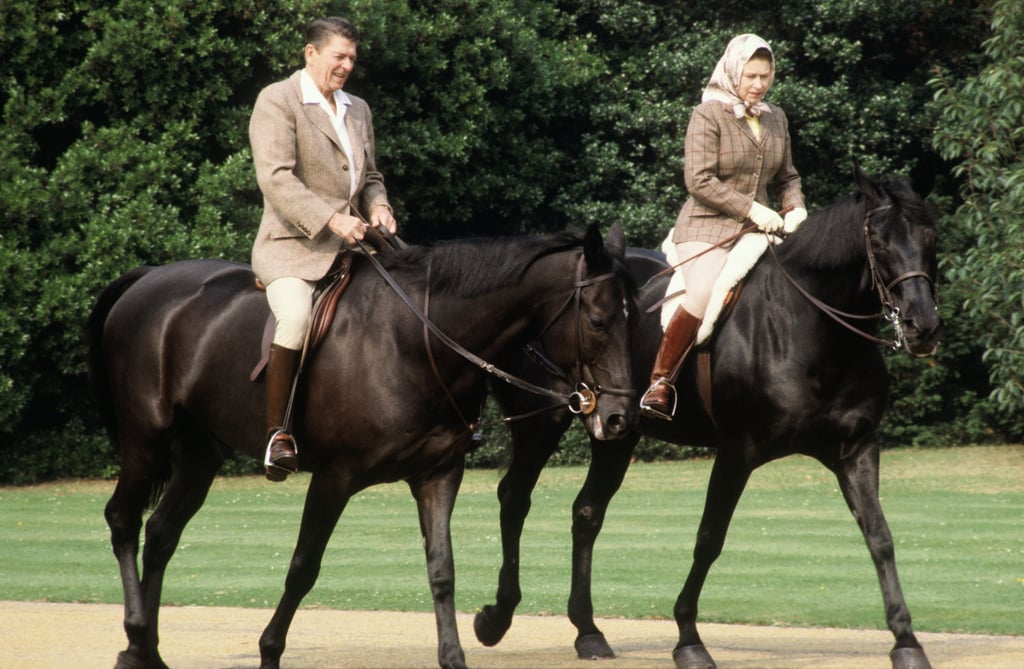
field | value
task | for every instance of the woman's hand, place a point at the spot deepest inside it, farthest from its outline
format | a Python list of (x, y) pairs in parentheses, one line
[(766, 220), (794, 218)]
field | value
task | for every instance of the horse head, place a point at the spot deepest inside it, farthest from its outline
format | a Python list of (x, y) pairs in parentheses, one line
[(900, 238), (590, 335)]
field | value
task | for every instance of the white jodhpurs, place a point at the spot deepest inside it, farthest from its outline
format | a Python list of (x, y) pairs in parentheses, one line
[(291, 301), (700, 274)]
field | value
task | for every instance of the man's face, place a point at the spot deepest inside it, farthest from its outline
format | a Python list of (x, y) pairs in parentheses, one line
[(330, 66)]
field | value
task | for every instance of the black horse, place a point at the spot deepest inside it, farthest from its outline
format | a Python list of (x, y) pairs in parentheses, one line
[(786, 378), (172, 348)]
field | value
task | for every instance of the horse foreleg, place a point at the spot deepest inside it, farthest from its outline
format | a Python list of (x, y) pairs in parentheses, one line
[(858, 479), (608, 464), (529, 455), (435, 498), (325, 500), (728, 479)]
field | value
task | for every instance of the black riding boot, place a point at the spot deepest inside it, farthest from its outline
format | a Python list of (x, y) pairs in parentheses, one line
[(282, 458)]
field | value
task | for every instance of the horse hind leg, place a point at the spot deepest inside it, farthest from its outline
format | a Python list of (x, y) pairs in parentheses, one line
[(728, 479), (144, 473), (858, 479), (137, 488)]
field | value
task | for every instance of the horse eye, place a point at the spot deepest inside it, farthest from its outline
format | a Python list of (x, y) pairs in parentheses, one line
[(598, 324)]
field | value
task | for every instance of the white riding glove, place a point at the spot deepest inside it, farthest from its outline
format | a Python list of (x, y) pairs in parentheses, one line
[(794, 218), (766, 220)]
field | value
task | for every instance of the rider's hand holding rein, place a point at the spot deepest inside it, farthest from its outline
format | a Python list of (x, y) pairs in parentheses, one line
[(353, 228), (765, 218), (383, 217)]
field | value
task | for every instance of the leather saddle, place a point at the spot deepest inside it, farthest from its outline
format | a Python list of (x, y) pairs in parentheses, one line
[(325, 304)]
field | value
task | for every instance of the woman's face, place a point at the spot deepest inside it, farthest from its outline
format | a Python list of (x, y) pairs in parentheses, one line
[(331, 65), (755, 80)]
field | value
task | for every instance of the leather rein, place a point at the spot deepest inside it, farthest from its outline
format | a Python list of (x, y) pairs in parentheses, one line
[(890, 310), (583, 400)]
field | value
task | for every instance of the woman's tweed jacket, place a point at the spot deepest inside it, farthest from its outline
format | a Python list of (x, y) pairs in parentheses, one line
[(727, 168)]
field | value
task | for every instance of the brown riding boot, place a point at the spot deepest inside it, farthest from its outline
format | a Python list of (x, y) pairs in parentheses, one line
[(282, 458), (660, 399)]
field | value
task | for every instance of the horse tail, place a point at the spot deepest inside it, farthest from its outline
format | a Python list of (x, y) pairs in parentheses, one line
[(99, 382)]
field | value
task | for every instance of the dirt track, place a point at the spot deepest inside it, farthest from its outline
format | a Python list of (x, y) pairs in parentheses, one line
[(88, 636)]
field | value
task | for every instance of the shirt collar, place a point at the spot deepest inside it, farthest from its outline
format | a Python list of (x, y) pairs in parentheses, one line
[(311, 95)]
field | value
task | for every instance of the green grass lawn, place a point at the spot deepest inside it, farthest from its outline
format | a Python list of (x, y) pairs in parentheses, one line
[(794, 555)]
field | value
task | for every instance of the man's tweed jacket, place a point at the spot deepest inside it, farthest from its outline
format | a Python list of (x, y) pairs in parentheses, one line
[(304, 175)]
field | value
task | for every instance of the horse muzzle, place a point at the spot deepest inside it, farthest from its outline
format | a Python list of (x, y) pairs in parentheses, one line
[(922, 339)]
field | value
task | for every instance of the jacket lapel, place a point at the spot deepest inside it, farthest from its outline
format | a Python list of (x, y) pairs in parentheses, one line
[(319, 120)]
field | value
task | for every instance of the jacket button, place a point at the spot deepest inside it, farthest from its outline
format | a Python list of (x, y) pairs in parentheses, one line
[(345, 167)]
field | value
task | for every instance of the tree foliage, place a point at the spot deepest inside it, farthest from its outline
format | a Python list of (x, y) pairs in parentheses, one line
[(982, 128), (123, 136)]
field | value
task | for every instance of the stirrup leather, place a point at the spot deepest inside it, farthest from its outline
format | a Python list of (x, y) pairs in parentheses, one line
[(645, 407), (270, 443)]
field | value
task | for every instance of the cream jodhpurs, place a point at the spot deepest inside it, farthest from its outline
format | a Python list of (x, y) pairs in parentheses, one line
[(291, 301), (700, 274)]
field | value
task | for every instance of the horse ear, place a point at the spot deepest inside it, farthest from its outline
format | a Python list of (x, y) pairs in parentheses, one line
[(594, 251), (866, 184), (615, 241)]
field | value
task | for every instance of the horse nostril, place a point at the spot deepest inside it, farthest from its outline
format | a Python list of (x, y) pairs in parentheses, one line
[(617, 423)]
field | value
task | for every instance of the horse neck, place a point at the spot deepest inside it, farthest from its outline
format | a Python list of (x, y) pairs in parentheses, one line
[(827, 257), (506, 317)]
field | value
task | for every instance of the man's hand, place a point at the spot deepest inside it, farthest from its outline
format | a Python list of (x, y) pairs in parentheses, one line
[(381, 217), (349, 228)]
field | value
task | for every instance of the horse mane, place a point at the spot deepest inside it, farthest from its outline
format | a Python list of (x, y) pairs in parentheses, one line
[(833, 236), (470, 267)]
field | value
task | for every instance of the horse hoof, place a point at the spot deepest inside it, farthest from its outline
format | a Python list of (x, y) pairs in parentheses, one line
[(695, 656), (909, 658), (593, 647), (126, 660), (490, 627)]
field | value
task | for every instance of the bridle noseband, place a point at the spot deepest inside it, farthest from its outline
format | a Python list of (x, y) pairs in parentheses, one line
[(890, 310), (584, 399)]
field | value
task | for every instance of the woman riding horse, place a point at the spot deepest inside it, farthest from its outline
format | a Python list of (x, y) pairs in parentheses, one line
[(737, 150)]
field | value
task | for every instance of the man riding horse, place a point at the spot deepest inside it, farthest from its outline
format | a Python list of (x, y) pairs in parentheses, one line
[(313, 146)]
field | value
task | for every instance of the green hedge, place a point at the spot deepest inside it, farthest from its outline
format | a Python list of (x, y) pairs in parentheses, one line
[(123, 136)]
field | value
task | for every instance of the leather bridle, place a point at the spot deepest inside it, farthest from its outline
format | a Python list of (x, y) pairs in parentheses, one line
[(890, 310), (583, 400)]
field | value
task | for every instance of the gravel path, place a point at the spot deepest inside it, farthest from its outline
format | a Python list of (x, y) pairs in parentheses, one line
[(87, 636)]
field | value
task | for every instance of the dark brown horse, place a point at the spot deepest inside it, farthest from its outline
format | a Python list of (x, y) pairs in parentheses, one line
[(786, 378), (172, 348)]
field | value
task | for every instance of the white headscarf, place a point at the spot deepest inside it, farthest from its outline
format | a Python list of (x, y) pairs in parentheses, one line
[(724, 83)]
